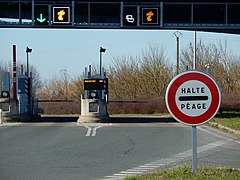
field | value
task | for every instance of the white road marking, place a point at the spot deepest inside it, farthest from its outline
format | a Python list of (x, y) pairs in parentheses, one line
[(94, 124), (109, 176), (92, 131), (138, 170), (155, 164), (131, 172), (89, 131), (165, 161), (158, 164), (116, 175), (148, 166), (92, 127), (217, 135), (211, 145)]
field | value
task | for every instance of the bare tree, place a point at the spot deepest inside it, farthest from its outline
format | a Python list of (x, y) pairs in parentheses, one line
[(36, 79), (77, 84), (62, 86), (144, 76), (224, 66)]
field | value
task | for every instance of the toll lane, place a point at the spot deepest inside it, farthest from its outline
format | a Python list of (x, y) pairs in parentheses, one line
[(98, 151)]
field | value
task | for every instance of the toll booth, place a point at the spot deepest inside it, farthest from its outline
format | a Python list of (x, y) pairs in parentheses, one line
[(94, 99), (9, 106), (4, 91)]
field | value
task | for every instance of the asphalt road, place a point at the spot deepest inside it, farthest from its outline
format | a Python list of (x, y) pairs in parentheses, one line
[(56, 148)]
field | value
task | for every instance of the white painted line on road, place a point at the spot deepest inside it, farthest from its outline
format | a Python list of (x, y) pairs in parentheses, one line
[(211, 145), (149, 166), (138, 169), (165, 161), (217, 135), (89, 130), (131, 172), (158, 164), (155, 164), (142, 168), (124, 175), (109, 177), (92, 131), (92, 127)]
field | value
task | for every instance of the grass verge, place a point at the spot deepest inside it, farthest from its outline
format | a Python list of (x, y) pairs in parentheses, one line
[(185, 172), (229, 119), (233, 123)]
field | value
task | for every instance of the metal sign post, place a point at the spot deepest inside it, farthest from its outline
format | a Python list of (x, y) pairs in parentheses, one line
[(194, 149), (193, 98), (194, 128)]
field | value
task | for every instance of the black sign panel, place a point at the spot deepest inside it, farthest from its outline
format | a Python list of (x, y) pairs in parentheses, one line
[(150, 16), (61, 15), (93, 84), (41, 14), (130, 16)]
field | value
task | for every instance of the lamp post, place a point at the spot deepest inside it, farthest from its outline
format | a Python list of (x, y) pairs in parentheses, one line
[(101, 51), (177, 34), (28, 50)]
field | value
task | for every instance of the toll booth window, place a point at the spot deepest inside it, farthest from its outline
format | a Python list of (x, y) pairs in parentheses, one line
[(81, 13), (209, 13), (105, 13), (177, 13)]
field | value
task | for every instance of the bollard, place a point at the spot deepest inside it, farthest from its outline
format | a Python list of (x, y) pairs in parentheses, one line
[(0, 116)]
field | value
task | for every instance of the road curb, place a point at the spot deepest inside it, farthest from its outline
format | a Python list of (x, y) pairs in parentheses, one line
[(219, 126)]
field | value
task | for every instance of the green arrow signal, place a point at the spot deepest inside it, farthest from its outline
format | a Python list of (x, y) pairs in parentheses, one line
[(41, 19)]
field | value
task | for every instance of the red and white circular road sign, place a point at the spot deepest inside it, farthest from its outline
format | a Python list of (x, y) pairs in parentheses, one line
[(193, 97)]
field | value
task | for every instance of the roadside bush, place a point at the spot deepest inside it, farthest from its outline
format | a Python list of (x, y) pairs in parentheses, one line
[(231, 99), (150, 107), (60, 108)]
